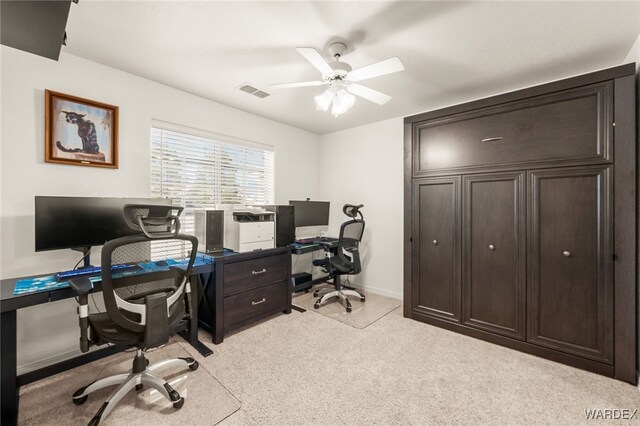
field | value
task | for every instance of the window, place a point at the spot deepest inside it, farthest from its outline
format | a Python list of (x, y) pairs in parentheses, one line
[(200, 170)]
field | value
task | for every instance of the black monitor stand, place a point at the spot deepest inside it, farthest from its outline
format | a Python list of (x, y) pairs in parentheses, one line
[(86, 252)]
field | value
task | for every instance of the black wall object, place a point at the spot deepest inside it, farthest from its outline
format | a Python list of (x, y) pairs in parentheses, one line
[(285, 224), (36, 27)]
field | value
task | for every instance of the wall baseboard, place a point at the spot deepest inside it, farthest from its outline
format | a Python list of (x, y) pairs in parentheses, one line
[(47, 362), (380, 291)]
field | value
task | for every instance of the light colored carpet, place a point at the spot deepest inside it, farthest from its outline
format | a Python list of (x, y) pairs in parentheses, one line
[(307, 369), (48, 401), (362, 314), (302, 369)]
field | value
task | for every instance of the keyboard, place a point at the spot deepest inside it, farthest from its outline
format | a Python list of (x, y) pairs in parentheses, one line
[(324, 239), (93, 270), (306, 240)]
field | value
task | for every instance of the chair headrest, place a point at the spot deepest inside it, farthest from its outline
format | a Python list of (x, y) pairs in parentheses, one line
[(352, 210), (155, 221)]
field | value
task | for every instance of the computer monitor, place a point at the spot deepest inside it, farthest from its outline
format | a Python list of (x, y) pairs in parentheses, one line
[(311, 213), (82, 222)]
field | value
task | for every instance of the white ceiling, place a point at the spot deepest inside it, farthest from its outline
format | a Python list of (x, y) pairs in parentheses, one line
[(452, 51)]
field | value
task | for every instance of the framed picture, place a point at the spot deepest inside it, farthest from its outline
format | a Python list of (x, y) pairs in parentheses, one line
[(80, 131)]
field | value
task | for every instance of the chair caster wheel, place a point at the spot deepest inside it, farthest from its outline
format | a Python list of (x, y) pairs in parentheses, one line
[(94, 421), (362, 299), (315, 294), (194, 366), (80, 401), (316, 305), (178, 405), (348, 308), (139, 387)]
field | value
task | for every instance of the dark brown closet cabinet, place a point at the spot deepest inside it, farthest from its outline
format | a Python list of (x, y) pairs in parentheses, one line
[(520, 220)]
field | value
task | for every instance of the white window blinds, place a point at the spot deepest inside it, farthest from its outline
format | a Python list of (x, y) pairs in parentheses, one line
[(197, 170)]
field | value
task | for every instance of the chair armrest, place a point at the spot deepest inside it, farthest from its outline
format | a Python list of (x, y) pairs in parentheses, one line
[(325, 244), (81, 285)]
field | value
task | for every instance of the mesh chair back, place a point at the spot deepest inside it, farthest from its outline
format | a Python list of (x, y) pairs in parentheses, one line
[(157, 284), (350, 236)]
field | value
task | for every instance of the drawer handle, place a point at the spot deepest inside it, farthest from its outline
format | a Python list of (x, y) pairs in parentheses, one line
[(498, 138), (264, 299), (492, 247), (566, 253), (435, 242), (259, 272)]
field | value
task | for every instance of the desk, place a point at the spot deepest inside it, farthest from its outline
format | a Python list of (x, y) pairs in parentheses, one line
[(298, 249), (9, 304)]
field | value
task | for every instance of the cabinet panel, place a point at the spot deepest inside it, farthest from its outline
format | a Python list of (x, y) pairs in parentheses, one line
[(570, 277), (436, 242), (254, 303), (241, 276), (494, 258), (573, 125)]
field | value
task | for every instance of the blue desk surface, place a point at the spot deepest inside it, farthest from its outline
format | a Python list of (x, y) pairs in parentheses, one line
[(33, 285)]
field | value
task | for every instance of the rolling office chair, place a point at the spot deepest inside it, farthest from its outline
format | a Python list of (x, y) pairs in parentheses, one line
[(346, 261), (144, 306)]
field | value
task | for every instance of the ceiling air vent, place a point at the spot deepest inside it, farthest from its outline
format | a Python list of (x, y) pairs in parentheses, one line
[(253, 91)]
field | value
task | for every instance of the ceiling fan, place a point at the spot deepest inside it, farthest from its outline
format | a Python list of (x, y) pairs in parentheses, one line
[(342, 79)]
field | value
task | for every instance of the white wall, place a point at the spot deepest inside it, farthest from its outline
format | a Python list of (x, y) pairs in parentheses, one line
[(364, 165), (47, 333), (634, 54)]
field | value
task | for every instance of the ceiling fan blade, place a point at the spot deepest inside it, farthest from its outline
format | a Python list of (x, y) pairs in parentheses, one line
[(312, 55), (387, 66), (300, 84), (368, 94)]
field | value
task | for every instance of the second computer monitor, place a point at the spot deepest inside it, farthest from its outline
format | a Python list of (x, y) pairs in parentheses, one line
[(311, 213)]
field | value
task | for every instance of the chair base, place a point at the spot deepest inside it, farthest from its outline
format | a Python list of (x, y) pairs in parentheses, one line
[(141, 374), (341, 295)]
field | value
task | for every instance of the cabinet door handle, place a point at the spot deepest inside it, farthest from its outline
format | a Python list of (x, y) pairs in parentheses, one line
[(264, 299), (497, 138), (492, 247), (435, 242), (259, 272), (566, 253)]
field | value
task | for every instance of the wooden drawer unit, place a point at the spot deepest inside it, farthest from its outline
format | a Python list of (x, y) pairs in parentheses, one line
[(248, 274), (520, 220), (573, 125), (246, 287), (254, 303)]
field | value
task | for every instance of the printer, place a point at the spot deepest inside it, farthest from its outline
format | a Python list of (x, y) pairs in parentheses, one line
[(249, 229)]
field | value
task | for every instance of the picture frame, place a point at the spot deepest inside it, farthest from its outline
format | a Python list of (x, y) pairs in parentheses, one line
[(80, 131)]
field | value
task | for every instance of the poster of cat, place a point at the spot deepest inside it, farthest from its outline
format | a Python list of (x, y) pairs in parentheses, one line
[(80, 131)]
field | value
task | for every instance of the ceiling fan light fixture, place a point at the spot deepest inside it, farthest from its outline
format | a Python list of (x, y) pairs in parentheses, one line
[(342, 101), (345, 98), (323, 101)]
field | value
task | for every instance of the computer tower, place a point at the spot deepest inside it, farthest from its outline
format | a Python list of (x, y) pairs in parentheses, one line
[(209, 229), (285, 224)]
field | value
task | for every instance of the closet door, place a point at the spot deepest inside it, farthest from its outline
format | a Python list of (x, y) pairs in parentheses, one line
[(570, 261), (436, 242), (494, 271)]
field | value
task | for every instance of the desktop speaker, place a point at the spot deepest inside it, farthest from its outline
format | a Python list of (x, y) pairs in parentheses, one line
[(209, 229), (285, 224)]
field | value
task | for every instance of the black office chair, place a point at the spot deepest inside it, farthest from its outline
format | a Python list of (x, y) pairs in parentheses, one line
[(145, 305), (346, 260)]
